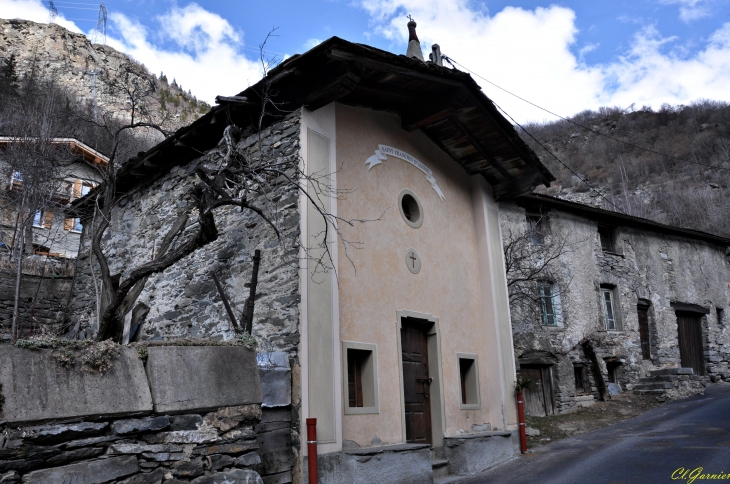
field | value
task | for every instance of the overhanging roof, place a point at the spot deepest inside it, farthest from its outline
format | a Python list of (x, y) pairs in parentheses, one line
[(537, 201), (446, 104)]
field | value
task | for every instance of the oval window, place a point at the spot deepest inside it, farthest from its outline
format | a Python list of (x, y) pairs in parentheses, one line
[(410, 208)]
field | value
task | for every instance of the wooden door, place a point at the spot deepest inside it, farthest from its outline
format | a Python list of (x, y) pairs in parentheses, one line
[(690, 342), (643, 312), (538, 399), (416, 384)]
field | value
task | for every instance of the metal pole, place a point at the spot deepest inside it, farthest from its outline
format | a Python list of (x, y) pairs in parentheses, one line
[(521, 417), (312, 450)]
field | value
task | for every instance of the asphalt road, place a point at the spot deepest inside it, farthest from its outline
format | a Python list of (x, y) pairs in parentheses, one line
[(690, 434)]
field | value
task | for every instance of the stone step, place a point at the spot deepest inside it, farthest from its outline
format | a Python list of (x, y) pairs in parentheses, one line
[(440, 467), (659, 379), (671, 371), (648, 392), (653, 386)]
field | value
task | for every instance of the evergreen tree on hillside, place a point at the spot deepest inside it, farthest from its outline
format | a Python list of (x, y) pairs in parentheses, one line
[(9, 75)]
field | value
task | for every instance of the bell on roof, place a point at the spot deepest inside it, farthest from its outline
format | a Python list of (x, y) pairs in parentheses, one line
[(414, 45)]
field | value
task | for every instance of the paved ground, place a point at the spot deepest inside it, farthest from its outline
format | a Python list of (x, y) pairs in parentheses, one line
[(690, 434)]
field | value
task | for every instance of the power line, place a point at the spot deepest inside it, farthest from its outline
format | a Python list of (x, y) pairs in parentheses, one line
[(452, 61), (559, 160)]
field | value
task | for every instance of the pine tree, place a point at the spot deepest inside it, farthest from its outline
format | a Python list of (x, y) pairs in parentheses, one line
[(9, 75)]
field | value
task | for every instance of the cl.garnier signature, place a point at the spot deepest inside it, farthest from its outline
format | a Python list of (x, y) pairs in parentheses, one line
[(690, 475)]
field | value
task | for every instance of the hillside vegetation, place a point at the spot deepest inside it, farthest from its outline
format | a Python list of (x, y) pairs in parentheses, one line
[(51, 52), (686, 185)]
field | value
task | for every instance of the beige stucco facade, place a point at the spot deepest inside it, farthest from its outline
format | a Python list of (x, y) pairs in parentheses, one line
[(460, 286)]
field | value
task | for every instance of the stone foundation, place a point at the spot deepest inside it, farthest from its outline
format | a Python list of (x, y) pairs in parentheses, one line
[(137, 425)]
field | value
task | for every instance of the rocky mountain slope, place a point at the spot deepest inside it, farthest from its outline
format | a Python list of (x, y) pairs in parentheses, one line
[(51, 51), (671, 165)]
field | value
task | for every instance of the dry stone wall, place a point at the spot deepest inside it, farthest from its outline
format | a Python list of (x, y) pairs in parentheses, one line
[(103, 428), (183, 299)]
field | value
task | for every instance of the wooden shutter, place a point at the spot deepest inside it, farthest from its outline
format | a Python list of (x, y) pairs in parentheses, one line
[(68, 224), (47, 219), (77, 188)]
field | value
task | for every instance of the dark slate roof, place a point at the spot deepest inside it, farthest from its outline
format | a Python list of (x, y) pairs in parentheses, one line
[(539, 202), (446, 104)]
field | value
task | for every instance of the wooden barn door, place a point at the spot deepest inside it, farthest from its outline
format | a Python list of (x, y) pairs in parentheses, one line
[(690, 342), (416, 384), (539, 399)]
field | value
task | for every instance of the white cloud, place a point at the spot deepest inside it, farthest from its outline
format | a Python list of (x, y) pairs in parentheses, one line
[(311, 43), (531, 53), (205, 56), (690, 10), (33, 10), (204, 53)]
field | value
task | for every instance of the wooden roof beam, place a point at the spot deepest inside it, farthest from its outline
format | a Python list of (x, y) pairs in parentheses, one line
[(478, 146), (445, 106), (387, 67), (340, 87)]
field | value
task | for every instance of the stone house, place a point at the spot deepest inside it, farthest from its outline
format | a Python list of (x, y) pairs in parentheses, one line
[(47, 272), (54, 234), (633, 305), (403, 352)]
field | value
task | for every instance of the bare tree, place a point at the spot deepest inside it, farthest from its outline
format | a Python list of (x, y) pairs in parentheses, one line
[(532, 256), (236, 179), (32, 169)]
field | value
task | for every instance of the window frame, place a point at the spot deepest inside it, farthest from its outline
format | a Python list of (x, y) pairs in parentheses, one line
[(613, 299), (471, 379), (536, 228), (369, 378)]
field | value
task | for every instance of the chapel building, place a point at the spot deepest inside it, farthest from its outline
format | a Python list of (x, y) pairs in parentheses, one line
[(401, 348)]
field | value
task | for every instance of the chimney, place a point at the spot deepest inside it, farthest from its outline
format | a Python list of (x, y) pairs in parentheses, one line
[(414, 45), (435, 55)]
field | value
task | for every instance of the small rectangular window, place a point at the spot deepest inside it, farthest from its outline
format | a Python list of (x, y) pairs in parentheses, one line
[(582, 383), (73, 225), (720, 316), (642, 310), (43, 219), (547, 306), (606, 234), (609, 312), (536, 233), (469, 381), (361, 377)]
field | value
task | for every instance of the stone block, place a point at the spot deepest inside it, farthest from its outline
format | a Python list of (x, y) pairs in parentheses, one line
[(237, 476), (472, 454), (404, 464), (281, 478), (154, 477), (88, 472), (275, 375), (248, 460), (52, 433), (37, 388), (276, 453), (200, 378), (133, 425), (186, 422)]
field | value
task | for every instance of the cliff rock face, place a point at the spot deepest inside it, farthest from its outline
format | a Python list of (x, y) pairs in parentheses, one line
[(51, 51)]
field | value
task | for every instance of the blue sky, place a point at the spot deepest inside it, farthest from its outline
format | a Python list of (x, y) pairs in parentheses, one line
[(566, 56)]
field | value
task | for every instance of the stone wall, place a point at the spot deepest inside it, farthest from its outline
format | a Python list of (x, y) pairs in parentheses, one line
[(93, 428), (653, 267), (183, 299), (44, 292)]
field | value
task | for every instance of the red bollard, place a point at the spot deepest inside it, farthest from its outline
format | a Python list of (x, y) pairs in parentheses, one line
[(521, 417), (312, 450)]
